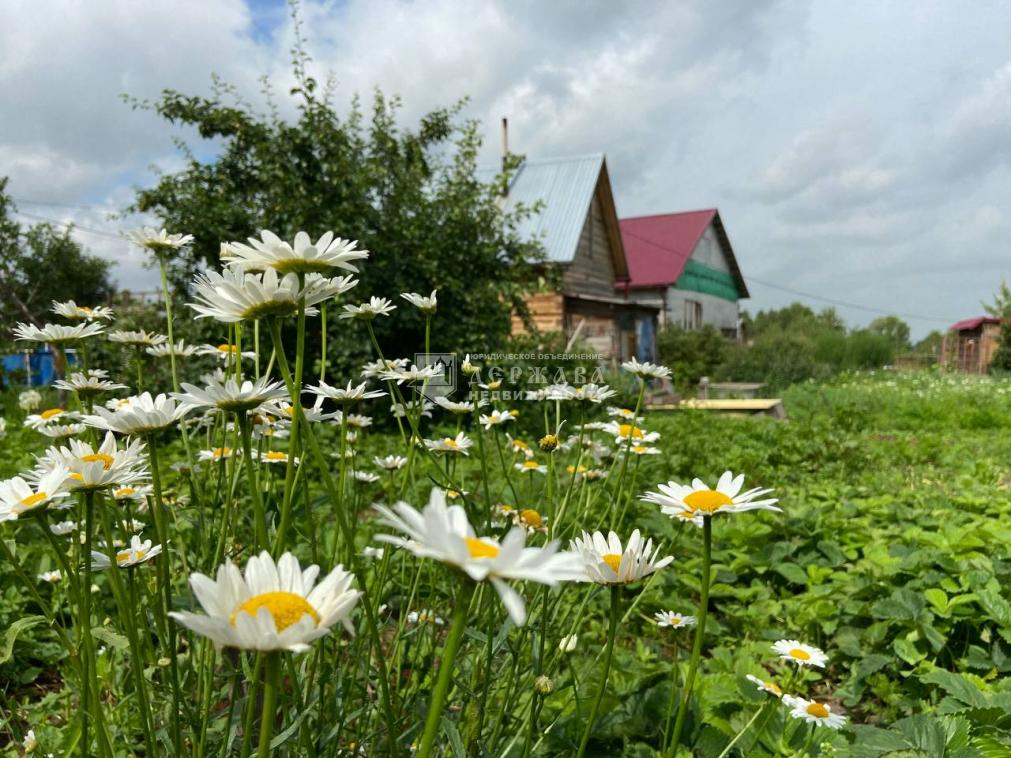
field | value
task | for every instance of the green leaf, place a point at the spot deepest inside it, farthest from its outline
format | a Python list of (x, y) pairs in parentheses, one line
[(16, 628), (873, 741), (924, 732), (907, 651), (938, 599), (792, 573), (957, 686), (870, 663), (110, 638)]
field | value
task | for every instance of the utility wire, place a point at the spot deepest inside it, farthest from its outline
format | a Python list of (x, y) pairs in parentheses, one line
[(70, 225), (799, 293)]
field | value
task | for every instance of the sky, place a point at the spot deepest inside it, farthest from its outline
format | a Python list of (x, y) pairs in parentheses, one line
[(859, 152)]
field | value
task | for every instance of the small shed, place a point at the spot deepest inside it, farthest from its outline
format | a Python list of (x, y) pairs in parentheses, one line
[(970, 344)]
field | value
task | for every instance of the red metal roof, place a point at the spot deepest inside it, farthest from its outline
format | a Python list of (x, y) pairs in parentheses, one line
[(657, 247), (972, 324)]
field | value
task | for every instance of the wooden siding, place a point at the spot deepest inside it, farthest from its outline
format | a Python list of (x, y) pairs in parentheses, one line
[(547, 310), (592, 269)]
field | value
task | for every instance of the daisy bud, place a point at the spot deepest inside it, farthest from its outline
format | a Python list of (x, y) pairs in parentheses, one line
[(568, 643), (544, 685), (548, 442)]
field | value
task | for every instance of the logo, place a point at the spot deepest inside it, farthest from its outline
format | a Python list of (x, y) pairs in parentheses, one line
[(442, 384)]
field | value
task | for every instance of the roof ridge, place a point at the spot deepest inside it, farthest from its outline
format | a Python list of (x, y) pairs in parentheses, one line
[(670, 213)]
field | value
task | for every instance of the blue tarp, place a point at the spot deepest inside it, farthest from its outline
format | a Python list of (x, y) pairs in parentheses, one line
[(34, 368)]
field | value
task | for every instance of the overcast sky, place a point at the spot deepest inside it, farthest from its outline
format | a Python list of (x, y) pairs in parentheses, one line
[(857, 151)]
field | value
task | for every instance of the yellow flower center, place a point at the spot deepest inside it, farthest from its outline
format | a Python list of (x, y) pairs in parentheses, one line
[(51, 413), (531, 464), (495, 385), (451, 443), (32, 500), (574, 470), (226, 348), (627, 430), (480, 549), (106, 459), (220, 452), (708, 501), (124, 492), (77, 477), (613, 560), (520, 445), (773, 686), (818, 710), (452, 494), (274, 455), (639, 449), (287, 608), (514, 413), (124, 555), (800, 655), (531, 518), (84, 309)]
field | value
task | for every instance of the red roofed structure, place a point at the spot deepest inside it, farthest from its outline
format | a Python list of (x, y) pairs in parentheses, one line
[(684, 263), (970, 344)]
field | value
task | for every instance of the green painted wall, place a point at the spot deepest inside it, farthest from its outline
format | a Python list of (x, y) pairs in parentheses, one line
[(697, 277)]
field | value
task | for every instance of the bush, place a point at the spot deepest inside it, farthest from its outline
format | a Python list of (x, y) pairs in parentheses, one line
[(691, 354)]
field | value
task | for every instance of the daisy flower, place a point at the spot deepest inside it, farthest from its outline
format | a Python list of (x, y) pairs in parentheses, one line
[(63, 527), (459, 407), (372, 552), (814, 712), (158, 241), (139, 493), (76, 312), (142, 415), (230, 396), (137, 552), (217, 454), (91, 383), (366, 477), (624, 414), (224, 351), (349, 394), (424, 304), (412, 407), (593, 393), (376, 306), (568, 643), (519, 446), (606, 562), (272, 607), (442, 532), (531, 520), (673, 620), (625, 432), (138, 338), (179, 350), (469, 368), (373, 369), (354, 420), (92, 468), (303, 256), (18, 496), (646, 370), (273, 456), (390, 462), (763, 686), (233, 296), (412, 374), (61, 431), (496, 418), (46, 417), (425, 616), (643, 450), (799, 653), (696, 501), (459, 444), (51, 576), (56, 333), (531, 467)]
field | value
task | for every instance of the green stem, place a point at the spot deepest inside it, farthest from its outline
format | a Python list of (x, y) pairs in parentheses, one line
[(612, 628), (751, 721), (449, 651), (700, 630), (272, 683), (259, 514)]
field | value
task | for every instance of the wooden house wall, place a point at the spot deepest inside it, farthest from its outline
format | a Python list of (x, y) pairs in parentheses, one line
[(547, 311), (591, 271)]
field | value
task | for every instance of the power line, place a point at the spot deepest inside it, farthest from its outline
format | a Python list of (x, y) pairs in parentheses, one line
[(23, 201), (70, 225), (799, 293)]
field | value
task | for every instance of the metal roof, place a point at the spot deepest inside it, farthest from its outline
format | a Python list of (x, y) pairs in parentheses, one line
[(565, 188)]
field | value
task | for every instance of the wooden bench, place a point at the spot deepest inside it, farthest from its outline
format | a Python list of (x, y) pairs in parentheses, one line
[(753, 407)]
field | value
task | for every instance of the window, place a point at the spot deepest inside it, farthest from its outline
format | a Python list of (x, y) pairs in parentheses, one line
[(693, 315)]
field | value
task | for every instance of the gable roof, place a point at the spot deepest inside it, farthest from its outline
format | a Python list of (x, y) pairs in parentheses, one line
[(565, 187), (972, 324), (658, 247)]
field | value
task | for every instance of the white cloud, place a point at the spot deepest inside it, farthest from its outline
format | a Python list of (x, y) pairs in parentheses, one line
[(860, 152)]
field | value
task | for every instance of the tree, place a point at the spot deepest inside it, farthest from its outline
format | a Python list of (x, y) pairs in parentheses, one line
[(41, 264), (1001, 305), (413, 198), (894, 328)]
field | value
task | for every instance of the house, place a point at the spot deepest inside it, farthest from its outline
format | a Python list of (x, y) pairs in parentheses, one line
[(970, 344), (578, 226), (683, 264)]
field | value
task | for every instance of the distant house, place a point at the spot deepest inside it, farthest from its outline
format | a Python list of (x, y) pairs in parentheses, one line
[(970, 344), (683, 264), (578, 226)]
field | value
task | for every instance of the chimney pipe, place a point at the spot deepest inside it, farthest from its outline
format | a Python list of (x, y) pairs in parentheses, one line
[(505, 140)]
